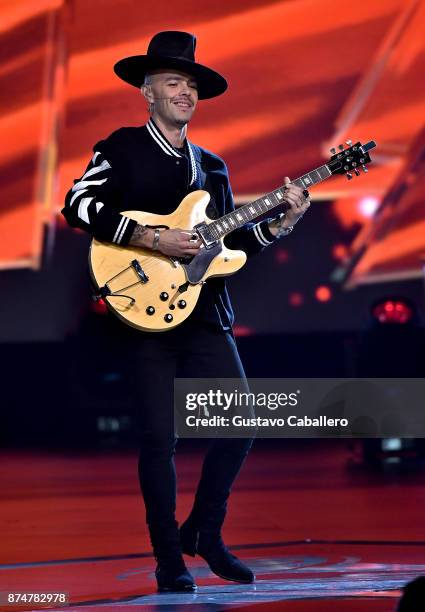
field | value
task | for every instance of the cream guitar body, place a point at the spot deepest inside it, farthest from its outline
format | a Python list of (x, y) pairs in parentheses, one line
[(151, 291)]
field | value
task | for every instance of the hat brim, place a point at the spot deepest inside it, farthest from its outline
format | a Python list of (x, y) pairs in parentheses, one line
[(133, 70)]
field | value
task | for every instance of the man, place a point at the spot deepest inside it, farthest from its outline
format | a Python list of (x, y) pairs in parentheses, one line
[(152, 168)]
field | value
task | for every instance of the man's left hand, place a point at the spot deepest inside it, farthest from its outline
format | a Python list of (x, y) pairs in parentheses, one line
[(298, 204)]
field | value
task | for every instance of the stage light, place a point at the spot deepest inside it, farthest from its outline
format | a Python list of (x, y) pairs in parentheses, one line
[(323, 293), (368, 206), (391, 444), (99, 307), (339, 252), (394, 311), (296, 298), (281, 255), (242, 330)]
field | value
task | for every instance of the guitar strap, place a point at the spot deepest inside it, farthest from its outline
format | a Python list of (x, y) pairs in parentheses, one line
[(212, 210), (214, 284)]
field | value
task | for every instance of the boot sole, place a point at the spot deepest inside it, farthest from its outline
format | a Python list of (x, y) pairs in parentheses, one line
[(233, 579), (216, 573), (188, 589)]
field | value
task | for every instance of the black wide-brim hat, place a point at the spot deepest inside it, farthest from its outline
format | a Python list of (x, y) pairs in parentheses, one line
[(175, 50)]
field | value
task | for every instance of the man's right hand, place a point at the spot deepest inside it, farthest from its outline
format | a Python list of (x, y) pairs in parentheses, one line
[(172, 242), (178, 243)]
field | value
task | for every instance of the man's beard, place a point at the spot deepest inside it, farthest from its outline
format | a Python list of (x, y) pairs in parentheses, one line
[(182, 122)]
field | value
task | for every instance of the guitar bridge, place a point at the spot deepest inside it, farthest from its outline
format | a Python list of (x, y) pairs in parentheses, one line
[(139, 271)]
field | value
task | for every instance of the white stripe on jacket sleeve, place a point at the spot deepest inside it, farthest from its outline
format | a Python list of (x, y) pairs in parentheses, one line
[(260, 236)]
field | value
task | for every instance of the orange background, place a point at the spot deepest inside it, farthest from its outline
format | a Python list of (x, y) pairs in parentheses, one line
[(304, 75)]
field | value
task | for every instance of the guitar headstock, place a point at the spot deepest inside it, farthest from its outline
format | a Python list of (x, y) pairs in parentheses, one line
[(351, 158)]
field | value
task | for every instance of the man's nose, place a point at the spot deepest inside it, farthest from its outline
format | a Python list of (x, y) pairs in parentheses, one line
[(185, 89)]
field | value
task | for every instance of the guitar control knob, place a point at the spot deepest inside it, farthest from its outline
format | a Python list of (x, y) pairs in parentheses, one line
[(150, 310), (181, 304), (163, 296), (168, 318)]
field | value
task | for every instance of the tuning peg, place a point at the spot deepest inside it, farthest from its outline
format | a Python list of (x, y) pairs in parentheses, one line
[(333, 150), (364, 168), (349, 142), (341, 147), (349, 176), (357, 172)]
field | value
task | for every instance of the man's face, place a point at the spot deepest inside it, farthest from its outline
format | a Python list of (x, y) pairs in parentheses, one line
[(174, 95)]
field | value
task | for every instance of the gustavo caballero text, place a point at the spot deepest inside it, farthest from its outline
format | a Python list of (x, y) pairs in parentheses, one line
[(239, 421)]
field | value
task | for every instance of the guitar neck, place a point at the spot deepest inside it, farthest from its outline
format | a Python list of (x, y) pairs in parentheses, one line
[(248, 212)]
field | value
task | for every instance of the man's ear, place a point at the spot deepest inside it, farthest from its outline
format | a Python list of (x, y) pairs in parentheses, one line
[(146, 91)]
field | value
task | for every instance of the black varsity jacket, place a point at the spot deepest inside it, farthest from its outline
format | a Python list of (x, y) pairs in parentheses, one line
[(136, 168)]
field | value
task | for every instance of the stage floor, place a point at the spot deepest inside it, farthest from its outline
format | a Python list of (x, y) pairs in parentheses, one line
[(319, 533)]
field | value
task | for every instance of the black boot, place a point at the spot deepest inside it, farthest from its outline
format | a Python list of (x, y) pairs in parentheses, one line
[(210, 546), (171, 572), (172, 575)]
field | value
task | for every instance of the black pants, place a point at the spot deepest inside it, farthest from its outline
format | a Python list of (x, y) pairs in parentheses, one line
[(195, 350)]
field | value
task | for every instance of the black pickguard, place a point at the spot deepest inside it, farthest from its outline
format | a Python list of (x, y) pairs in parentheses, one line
[(196, 269)]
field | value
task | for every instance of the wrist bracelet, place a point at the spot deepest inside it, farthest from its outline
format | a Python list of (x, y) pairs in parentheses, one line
[(283, 231), (155, 240)]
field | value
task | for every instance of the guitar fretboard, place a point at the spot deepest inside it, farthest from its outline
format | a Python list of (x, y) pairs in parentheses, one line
[(242, 215)]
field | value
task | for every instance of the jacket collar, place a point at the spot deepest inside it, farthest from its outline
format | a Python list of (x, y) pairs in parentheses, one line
[(160, 139), (167, 148)]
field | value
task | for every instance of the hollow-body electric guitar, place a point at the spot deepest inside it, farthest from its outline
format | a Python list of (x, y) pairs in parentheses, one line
[(153, 292)]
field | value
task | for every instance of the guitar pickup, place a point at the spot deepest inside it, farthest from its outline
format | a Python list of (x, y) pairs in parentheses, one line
[(205, 235), (139, 271)]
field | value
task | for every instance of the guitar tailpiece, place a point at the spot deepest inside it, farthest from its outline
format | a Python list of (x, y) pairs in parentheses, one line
[(104, 292), (101, 293), (128, 297)]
